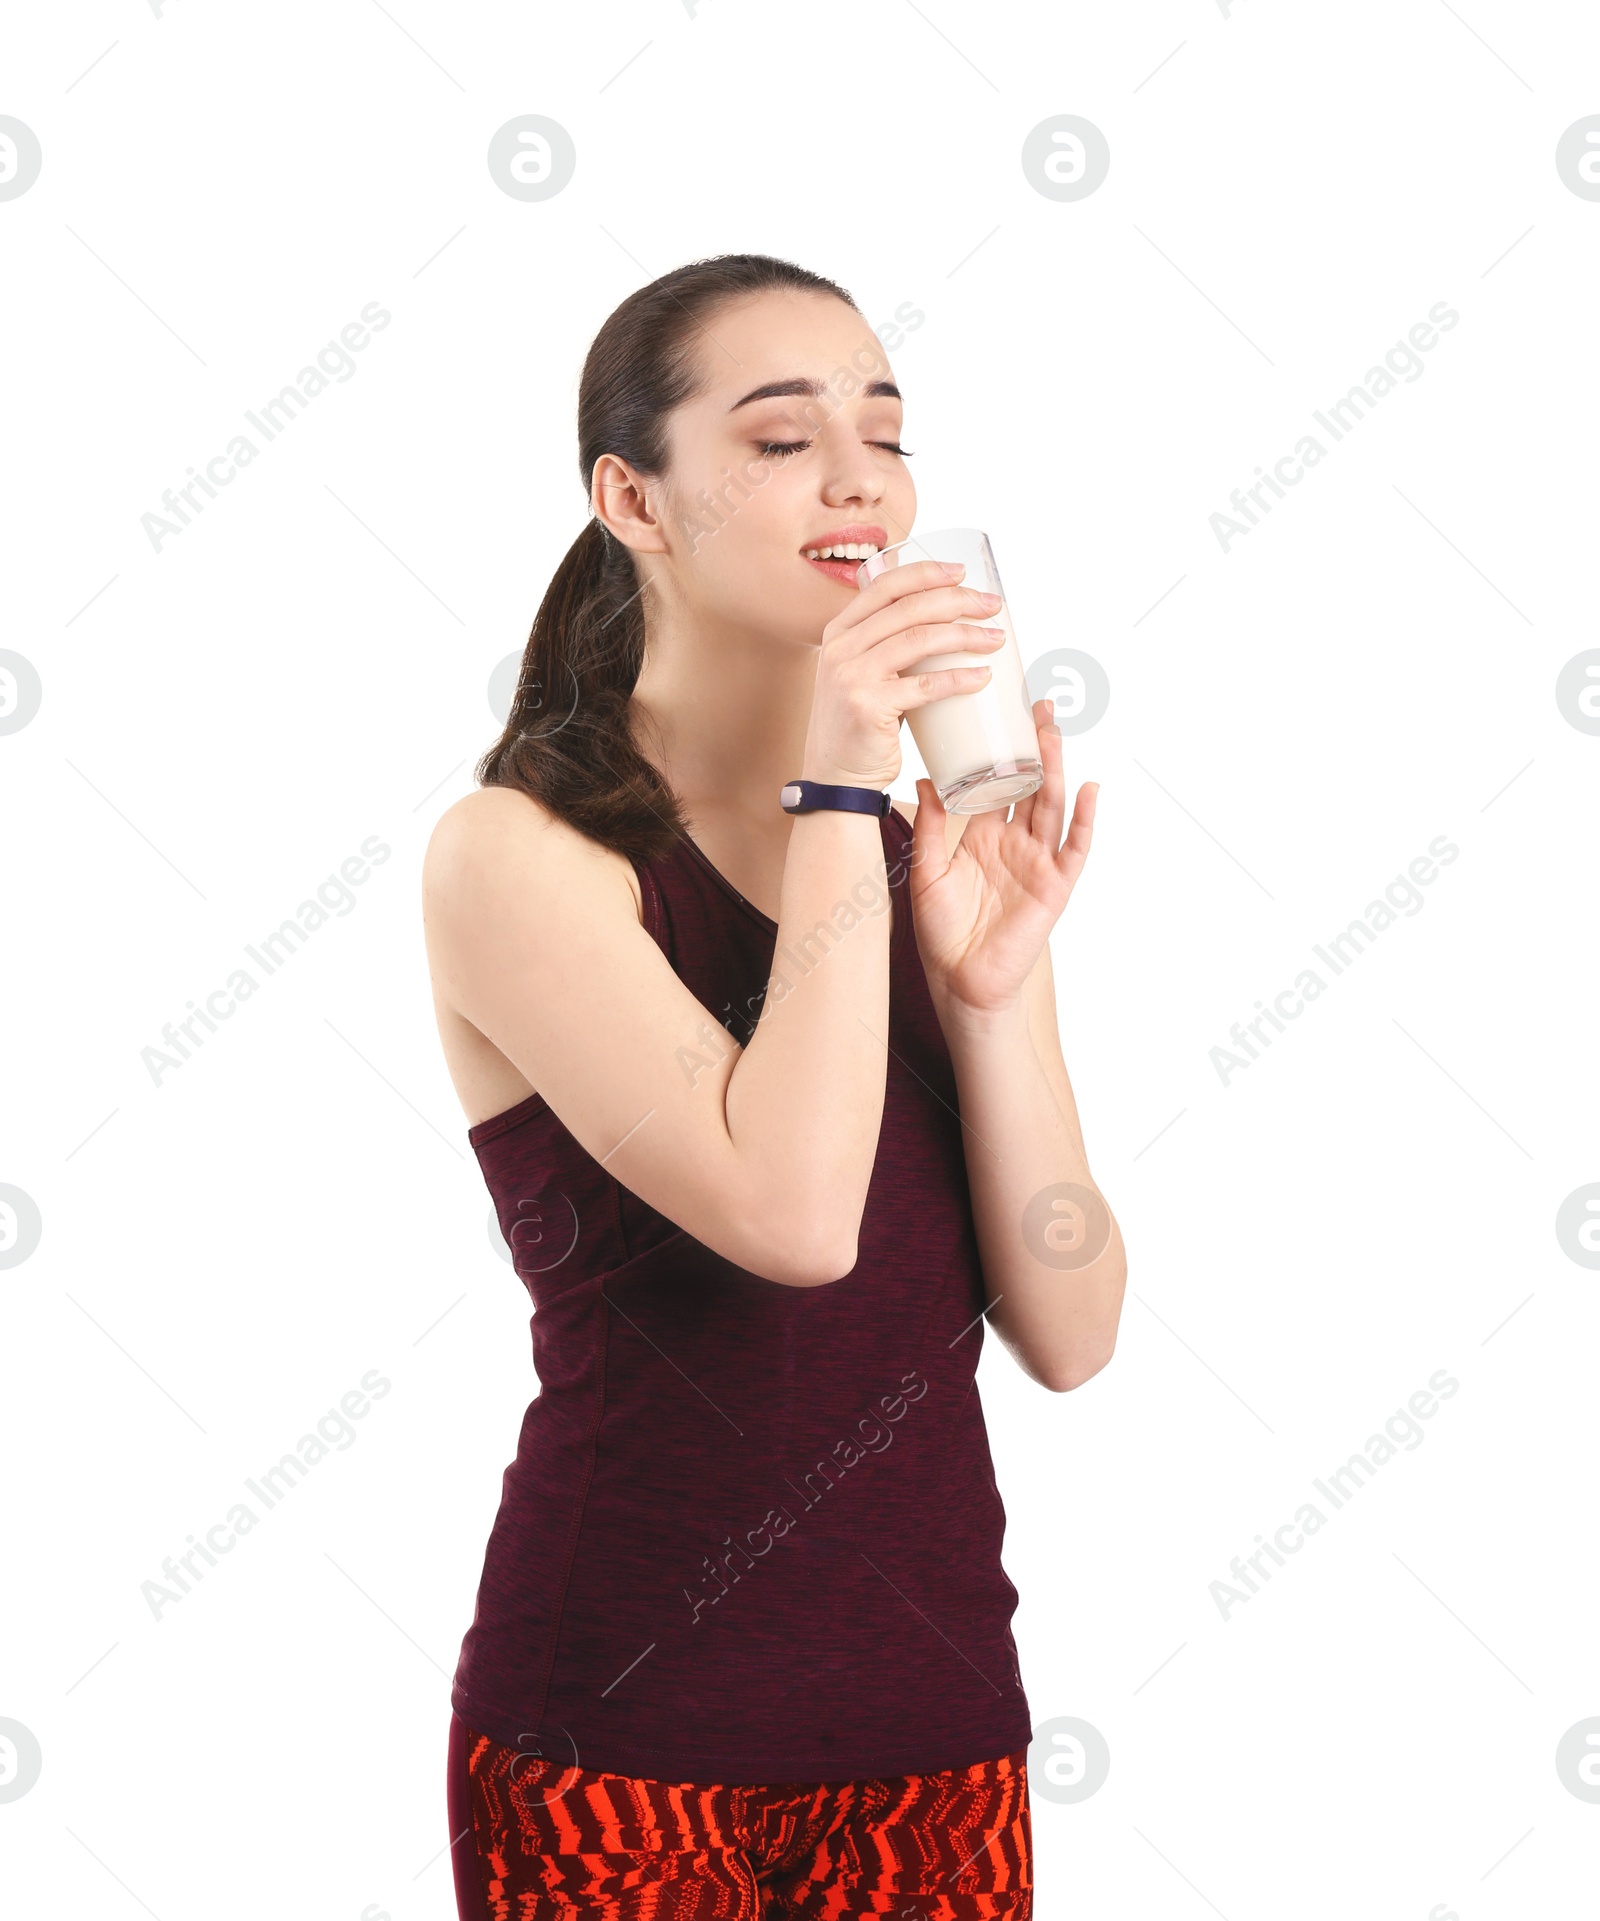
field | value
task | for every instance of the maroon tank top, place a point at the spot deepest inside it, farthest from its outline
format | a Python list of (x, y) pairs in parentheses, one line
[(751, 1533)]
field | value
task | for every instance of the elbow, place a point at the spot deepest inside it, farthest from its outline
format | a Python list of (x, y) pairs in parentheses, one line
[(840, 1264), (812, 1259), (1093, 1353), (1063, 1378), (804, 1240), (822, 1266)]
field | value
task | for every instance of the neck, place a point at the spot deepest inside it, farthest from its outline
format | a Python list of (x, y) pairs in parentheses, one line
[(723, 713)]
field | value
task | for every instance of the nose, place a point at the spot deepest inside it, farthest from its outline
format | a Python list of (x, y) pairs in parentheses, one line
[(851, 476)]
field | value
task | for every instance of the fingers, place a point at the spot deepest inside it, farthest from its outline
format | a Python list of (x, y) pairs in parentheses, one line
[(924, 607), (905, 597), (1042, 811), (928, 851), (945, 651), (893, 584), (942, 649), (938, 683), (1075, 850), (941, 645)]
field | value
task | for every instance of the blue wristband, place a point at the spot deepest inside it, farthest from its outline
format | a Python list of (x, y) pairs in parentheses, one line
[(807, 796)]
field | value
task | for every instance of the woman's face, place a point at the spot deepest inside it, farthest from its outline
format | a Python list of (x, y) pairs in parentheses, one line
[(791, 446)]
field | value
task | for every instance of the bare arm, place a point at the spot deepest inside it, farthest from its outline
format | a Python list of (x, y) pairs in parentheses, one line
[(1052, 1252), (765, 1152)]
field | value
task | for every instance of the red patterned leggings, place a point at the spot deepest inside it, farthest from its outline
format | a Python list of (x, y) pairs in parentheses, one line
[(534, 1840)]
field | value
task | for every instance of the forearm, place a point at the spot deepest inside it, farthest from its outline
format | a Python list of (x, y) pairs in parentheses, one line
[(1051, 1249), (805, 1100)]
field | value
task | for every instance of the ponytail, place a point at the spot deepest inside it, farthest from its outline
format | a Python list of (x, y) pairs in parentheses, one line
[(567, 740)]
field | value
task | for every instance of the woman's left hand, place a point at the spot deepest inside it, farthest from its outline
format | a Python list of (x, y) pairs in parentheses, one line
[(984, 913)]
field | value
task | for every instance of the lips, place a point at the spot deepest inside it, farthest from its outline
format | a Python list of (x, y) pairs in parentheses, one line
[(841, 551)]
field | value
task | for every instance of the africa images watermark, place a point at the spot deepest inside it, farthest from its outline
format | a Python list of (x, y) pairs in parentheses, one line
[(334, 898), (333, 363), (874, 1436), (1400, 1430), (1401, 362), (281, 1479), (1401, 896)]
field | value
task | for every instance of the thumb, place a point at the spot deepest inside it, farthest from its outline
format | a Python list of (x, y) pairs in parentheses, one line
[(927, 833)]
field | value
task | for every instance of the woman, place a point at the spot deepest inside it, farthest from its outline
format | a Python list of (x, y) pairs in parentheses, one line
[(742, 1641)]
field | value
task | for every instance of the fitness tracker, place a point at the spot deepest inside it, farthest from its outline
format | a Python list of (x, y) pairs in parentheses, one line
[(807, 796)]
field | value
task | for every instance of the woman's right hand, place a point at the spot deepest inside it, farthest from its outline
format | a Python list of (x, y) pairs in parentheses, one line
[(905, 615)]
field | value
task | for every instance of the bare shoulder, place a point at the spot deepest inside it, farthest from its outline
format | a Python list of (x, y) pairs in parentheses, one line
[(499, 845)]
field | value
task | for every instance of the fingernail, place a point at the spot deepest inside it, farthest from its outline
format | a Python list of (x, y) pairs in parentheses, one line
[(953, 566), (989, 600)]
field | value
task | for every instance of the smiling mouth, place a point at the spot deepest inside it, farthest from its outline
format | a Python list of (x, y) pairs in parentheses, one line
[(856, 550), (839, 559)]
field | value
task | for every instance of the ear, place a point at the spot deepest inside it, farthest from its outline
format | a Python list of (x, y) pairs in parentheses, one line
[(621, 501)]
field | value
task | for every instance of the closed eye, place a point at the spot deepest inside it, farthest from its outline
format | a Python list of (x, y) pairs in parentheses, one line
[(776, 449)]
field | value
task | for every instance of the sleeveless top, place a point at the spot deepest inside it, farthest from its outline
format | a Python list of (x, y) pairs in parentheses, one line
[(751, 1533)]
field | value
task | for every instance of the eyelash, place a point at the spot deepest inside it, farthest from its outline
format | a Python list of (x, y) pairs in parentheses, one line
[(772, 447)]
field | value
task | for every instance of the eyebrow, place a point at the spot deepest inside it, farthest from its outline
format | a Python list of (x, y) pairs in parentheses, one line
[(777, 389)]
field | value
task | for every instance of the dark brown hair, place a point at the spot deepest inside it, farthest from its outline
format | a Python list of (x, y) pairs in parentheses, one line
[(567, 741)]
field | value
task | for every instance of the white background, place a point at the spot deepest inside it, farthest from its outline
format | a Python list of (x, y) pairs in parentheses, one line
[(224, 722)]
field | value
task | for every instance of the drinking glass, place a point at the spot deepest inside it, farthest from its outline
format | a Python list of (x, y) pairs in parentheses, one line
[(981, 749)]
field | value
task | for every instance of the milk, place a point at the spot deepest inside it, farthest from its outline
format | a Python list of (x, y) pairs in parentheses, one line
[(989, 731)]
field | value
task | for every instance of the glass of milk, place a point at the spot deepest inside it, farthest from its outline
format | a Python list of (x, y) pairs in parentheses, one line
[(981, 749)]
